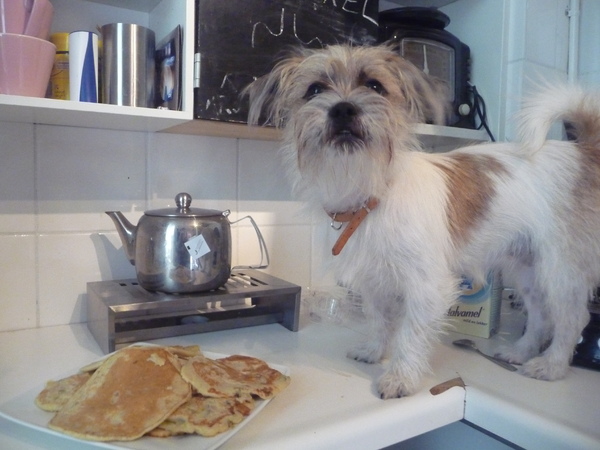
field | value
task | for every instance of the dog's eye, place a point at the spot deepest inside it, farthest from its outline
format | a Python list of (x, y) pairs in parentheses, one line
[(314, 90), (375, 85)]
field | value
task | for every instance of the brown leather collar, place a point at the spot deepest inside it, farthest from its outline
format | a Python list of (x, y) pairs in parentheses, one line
[(354, 219)]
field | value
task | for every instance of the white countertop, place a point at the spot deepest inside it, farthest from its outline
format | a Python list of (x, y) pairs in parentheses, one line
[(331, 402)]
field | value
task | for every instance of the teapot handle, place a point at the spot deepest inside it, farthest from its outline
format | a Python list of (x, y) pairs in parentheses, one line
[(264, 253)]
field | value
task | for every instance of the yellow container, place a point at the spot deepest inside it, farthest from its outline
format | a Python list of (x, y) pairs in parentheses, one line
[(59, 78)]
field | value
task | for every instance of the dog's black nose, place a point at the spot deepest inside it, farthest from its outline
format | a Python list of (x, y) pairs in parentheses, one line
[(344, 125), (343, 113)]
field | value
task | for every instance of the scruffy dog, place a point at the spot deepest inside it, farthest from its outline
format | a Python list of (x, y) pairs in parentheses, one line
[(531, 209)]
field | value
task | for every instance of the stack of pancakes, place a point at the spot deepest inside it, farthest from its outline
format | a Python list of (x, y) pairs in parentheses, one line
[(158, 391)]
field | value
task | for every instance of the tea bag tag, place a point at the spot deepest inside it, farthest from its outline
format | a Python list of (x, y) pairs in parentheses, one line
[(197, 247)]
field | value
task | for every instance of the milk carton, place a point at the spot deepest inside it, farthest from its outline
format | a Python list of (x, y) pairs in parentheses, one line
[(477, 310)]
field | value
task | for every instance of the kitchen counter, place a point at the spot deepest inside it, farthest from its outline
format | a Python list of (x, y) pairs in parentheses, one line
[(331, 402)]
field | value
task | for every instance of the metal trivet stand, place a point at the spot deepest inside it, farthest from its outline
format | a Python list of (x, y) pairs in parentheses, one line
[(121, 311)]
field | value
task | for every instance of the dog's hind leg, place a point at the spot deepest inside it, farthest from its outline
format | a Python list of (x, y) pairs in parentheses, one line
[(568, 312), (538, 330)]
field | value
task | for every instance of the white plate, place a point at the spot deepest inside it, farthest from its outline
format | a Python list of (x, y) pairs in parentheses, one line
[(21, 409)]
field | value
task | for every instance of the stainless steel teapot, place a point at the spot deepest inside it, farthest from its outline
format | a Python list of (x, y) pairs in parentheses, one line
[(182, 249)]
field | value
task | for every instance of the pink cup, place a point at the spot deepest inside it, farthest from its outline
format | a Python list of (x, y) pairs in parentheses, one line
[(40, 19), (30, 17), (25, 65)]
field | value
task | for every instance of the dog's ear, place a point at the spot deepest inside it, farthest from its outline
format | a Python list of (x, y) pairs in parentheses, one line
[(427, 97), (267, 104), (262, 93), (436, 98)]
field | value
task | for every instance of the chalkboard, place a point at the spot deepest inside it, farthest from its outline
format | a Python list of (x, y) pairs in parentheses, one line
[(237, 41)]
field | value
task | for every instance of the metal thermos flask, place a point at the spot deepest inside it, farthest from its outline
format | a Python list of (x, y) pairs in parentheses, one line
[(128, 71)]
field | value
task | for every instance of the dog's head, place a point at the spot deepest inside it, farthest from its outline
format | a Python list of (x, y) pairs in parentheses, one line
[(346, 108)]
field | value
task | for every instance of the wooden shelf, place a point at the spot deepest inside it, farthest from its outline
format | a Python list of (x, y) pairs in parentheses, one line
[(399, 3), (225, 129), (434, 137), (437, 138)]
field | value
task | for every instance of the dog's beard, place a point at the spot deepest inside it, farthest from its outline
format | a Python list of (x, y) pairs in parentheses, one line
[(342, 180), (344, 164)]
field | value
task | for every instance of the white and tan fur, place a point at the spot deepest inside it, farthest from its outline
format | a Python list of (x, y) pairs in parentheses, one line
[(531, 209)]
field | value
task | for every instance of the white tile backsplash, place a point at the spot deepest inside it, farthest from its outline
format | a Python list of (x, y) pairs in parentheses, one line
[(17, 175), (18, 297), (66, 262), (81, 172), (265, 192), (289, 249), (56, 182), (204, 167)]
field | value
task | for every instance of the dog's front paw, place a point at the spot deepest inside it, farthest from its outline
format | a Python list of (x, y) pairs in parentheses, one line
[(542, 368), (367, 353), (391, 385)]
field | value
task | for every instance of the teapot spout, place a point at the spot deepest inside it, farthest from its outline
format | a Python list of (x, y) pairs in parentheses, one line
[(127, 233)]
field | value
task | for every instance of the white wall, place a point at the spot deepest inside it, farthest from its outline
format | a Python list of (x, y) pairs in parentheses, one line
[(514, 44), (539, 52), (482, 25), (589, 47)]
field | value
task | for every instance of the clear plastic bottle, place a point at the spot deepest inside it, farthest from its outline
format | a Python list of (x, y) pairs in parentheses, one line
[(59, 78)]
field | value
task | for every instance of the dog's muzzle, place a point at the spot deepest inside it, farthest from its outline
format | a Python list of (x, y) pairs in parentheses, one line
[(343, 120)]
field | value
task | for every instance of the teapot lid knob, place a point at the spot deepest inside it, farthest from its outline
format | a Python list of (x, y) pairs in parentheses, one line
[(183, 200), (183, 208)]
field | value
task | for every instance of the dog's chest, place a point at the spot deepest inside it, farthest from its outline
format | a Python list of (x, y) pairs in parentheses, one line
[(389, 246)]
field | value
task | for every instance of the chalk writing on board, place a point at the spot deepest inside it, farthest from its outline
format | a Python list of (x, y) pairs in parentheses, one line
[(355, 7), (238, 41), (261, 25)]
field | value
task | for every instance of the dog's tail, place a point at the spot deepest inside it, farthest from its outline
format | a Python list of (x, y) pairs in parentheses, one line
[(579, 111)]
